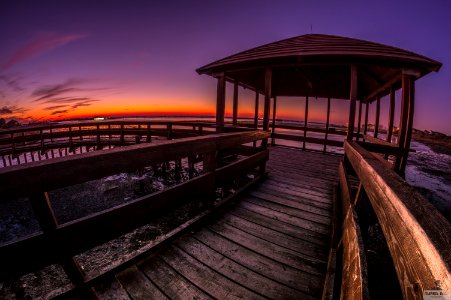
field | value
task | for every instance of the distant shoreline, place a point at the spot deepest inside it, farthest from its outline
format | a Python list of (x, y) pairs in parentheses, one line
[(438, 142)]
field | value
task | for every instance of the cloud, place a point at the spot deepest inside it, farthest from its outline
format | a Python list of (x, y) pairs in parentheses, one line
[(58, 112), (55, 107), (84, 103), (39, 46), (50, 91), (12, 82), (9, 110)]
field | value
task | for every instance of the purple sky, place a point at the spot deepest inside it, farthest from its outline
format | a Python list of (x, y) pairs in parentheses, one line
[(63, 58)]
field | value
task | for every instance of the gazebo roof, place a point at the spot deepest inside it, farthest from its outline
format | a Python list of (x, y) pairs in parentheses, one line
[(319, 65)]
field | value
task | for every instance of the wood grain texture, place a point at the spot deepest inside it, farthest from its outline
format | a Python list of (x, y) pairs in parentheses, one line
[(410, 223)]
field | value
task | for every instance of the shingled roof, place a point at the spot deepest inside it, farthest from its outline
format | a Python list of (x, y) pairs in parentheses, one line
[(319, 65)]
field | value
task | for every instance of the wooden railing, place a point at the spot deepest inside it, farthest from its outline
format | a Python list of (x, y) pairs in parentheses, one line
[(58, 243), (417, 235), (299, 134), (30, 143)]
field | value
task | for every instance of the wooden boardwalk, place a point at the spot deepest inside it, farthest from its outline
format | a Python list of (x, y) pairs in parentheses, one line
[(273, 243)]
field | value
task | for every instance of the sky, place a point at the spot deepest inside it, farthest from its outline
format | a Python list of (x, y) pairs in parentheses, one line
[(77, 58)]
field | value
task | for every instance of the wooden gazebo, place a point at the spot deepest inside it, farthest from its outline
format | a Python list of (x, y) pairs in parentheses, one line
[(317, 65)]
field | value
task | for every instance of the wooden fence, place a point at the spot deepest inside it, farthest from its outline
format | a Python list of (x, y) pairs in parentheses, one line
[(58, 243), (417, 235)]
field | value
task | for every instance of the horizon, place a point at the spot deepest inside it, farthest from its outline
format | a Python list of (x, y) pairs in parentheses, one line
[(77, 59)]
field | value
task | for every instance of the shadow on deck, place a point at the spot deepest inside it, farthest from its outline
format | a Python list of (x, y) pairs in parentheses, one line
[(273, 242)]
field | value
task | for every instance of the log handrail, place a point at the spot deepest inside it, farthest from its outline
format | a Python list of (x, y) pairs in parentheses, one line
[(71, 238), (418, 236)]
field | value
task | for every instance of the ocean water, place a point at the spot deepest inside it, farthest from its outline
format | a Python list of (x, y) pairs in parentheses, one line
[(430, 173)]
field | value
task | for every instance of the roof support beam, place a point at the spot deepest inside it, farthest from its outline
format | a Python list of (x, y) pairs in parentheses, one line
[(220, 102), (387, 86), (352, 104)]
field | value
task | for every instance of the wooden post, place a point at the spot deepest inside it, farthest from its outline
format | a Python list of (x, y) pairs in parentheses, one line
[(403, 122), (256, 109), (235, 104), (359, 125), (220, 102), (378, 112), (305, 122), (327, 123), (367, 107), (273, 140), (411, 95), (391, 115), (122, 135), (353, 98), (268, 79), (48, 223)]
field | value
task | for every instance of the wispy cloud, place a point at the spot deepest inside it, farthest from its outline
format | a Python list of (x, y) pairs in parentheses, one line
[(51, 91), (59, 112), (38, 46), (62, 98), (12, 82), (55, 107), (10, 110)]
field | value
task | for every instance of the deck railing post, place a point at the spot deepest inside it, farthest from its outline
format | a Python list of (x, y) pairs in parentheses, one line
[(327, 124), (220, 102), (359, 121), (43, 211), (235, 104), (169, 129), (268, 85), (391, 116), (378, 111), (273, 139), (367, 107), (256, 110), (305, 122), (122, 135)]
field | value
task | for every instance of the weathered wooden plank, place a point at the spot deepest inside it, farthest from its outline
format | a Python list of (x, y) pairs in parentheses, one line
[(300, 204), (278, 194), (302, 223), (236, 272), (302, 214), (276, 237), (266, 266), (168, 280), (138, 286), (110, 289), (278, 181), (354, 274), (410, 224), (210, 281), (299, 261), (281, 227)]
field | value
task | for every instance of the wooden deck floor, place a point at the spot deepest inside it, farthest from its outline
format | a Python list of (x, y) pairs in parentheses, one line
[(272, 244)]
